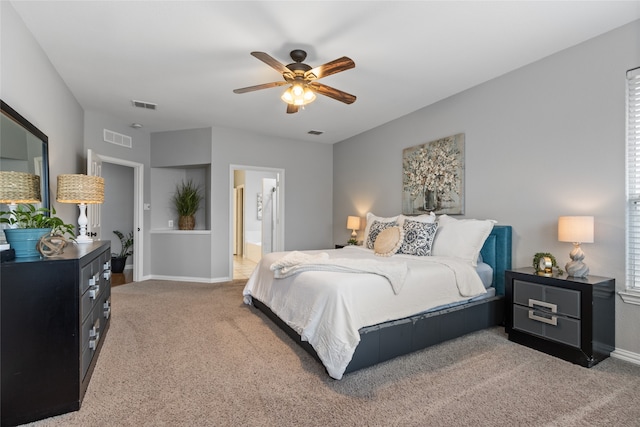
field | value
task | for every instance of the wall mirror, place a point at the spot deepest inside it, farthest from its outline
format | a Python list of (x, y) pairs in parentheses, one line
[(23, 148)]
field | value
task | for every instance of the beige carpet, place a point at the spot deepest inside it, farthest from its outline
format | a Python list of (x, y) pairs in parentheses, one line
[(188, 354)]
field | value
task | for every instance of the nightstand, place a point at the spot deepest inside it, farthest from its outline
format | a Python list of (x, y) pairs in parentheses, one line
[(567, 317)]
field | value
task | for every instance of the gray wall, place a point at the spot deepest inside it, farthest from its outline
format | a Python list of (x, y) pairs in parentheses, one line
[(30, 84), (307, 188), (94, 124), (543, 141)]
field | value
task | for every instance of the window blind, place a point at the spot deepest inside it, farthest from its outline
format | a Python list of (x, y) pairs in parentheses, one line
[(633, 179)]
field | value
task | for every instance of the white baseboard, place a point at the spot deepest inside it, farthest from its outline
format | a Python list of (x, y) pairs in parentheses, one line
[(626, 355)]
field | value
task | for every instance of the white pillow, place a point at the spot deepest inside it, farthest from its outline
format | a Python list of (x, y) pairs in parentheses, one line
[(370, 219), (428, 218), (461, 238)]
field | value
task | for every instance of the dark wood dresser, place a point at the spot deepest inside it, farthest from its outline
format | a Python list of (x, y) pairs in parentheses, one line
[(570, 318), (53, 320)]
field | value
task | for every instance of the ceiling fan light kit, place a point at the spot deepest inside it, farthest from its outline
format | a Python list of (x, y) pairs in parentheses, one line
[(298, 95), (301, 78)]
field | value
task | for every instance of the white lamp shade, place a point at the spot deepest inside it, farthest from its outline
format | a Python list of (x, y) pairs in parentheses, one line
[(353, 222), (575, 229)]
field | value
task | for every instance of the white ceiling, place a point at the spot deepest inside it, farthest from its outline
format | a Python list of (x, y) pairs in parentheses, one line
[(188, 56)]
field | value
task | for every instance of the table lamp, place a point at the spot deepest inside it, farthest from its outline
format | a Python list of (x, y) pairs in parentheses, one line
[(353, 223), (577, 230), (82, 190)]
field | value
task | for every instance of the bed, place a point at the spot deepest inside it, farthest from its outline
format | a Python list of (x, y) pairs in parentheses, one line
[(352, 321)]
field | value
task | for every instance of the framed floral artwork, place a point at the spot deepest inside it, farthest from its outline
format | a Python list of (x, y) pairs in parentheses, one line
[(433, 177)]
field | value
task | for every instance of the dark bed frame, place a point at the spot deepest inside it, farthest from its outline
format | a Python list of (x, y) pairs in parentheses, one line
[(391, 339)]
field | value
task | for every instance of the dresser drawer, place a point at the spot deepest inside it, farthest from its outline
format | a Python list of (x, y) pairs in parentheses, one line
[(547, 298), (88, 272), (547, 325), (92, 330), (93, 294)]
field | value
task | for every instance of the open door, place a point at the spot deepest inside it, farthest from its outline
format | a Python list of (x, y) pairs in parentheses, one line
[(94, 211)]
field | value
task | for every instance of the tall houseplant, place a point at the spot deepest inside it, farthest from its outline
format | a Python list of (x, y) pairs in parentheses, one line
[(187, 200), (118, 260), (28, 224)]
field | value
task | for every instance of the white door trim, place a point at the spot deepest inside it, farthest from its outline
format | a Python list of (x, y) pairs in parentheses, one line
[(138, 212)]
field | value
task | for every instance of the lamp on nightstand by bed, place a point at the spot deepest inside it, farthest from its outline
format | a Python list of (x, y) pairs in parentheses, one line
[(353, 223), (577, 230)]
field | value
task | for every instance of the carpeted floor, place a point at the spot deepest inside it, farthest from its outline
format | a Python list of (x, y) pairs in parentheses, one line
[(189, 354)]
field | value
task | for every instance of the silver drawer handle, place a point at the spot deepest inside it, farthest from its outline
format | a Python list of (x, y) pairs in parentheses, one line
[(93, 343), (94, 291), (534, 302), (94, 335), (107, 309), (552, 321)]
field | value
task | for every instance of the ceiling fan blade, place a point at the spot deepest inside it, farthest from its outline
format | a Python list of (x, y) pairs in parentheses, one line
[(258, 87), (292, 109), (336, 94), (272, 62), (335, 66)]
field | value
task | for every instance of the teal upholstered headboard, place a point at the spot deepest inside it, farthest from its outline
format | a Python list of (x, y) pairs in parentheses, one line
[(497, 253)]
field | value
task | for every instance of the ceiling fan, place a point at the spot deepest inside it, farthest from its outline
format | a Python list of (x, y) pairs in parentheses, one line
[(302, 79)]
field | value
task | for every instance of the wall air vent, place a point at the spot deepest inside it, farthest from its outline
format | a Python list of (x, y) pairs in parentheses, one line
[(117, 138), (144, 104), (315, 132)]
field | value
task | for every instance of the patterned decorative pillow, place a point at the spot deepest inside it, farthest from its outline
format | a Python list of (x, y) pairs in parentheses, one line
[(375, 229), (418, 237)]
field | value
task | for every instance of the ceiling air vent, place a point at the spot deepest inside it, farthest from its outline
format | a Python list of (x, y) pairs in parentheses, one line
[(117, 138), (315, 132), (144, 104)]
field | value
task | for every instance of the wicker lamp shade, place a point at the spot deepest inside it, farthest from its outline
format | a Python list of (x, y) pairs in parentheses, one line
[(78, 188), (19, 187)]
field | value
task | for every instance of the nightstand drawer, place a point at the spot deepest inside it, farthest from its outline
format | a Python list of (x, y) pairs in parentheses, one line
[(547, 298), (547, 325)]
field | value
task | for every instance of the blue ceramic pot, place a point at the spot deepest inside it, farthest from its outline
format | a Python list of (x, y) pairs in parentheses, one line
[(25, 240)]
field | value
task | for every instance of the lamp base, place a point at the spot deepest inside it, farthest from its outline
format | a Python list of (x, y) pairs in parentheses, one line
[(83, 239), (577, 269)]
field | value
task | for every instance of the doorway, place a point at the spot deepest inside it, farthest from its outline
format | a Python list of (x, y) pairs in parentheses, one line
[(123, 208), (257, 216)]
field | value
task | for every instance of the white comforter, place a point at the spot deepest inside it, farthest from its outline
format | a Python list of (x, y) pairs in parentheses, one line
[(327, 308)]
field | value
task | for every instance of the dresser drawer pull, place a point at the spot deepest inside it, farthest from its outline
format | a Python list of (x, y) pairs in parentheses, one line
[(533, 303), (106, 274), (107, 309), (94, 335), (550, 321), (94, 291), (106, 265)]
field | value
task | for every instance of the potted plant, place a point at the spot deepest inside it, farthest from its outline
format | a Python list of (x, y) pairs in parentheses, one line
[(554, 264), (28, 224), (187, 200), (118, 260)]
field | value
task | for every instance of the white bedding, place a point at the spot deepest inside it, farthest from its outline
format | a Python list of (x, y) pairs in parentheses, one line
[(327, 308)]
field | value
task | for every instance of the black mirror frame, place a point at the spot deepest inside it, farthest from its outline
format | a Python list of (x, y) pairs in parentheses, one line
[(26, 124)]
